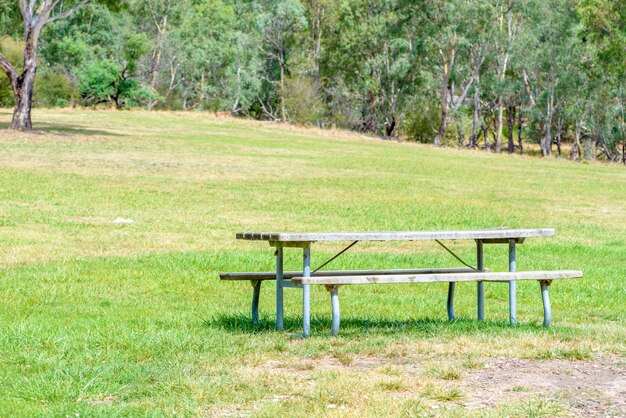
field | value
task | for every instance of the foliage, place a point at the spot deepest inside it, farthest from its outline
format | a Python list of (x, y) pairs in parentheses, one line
[(551, 71), (303, 100)]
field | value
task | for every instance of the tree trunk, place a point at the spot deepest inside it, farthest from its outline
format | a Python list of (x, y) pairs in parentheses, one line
[(590, 152), (546, 140), (501, 76), (575, 153), (24, 88), (25, 85), (443, 126), (157, 53), (519, 130), (559, 135), (283, 108), (510, 121), (499, 122), (317, 26), (473, 141), (485, 130)]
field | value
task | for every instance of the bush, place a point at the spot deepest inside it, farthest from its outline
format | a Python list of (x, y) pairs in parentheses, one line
[(103, 81), (97, 82), (302, 100), (421, 121), (53, 89)]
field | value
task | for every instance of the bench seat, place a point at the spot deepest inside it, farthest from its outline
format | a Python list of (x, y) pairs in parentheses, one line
[(474, 276), (333, 283), (256, 278)]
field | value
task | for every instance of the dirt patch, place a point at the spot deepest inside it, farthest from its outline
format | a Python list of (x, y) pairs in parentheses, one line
[(595, 388), (591, 388)]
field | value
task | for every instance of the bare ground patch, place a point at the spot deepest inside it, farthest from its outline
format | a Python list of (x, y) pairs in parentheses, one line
[(595, 388), (588, 388)]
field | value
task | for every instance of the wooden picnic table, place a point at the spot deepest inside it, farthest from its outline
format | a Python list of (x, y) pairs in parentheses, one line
[(332, 280)]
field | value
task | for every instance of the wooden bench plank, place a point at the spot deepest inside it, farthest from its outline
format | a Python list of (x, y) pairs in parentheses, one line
[(271, 275), (440, 277), (480, 234)]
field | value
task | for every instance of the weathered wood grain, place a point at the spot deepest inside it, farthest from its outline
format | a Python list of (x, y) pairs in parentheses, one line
[(481, 234), (440, 277)]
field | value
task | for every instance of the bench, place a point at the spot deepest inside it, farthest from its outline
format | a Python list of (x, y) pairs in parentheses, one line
[(333, 282), (256, 278), (305, 278)]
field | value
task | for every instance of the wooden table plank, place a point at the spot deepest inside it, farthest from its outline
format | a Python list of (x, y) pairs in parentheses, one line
[(481, 234)]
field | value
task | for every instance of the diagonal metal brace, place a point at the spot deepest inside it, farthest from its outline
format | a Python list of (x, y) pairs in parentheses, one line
[(332, 258)]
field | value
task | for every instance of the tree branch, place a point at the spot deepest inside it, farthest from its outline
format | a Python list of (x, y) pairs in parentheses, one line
[(68, 12), (8, 69), (24, 10)]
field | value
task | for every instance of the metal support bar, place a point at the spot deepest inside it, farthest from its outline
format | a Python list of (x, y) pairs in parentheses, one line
[(334, 257), (256, 285), (480, 286), (451, 316), (547, 312), (512, 285), (279, 288), (334, 302), (306, 292)]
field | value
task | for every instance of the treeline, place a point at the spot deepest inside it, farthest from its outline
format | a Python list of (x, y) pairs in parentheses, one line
[(492, 74)]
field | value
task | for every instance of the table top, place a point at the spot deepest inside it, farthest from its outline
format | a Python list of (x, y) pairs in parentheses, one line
[(479, 234)]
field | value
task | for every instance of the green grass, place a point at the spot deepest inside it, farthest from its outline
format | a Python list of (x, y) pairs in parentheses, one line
[(98, 318)]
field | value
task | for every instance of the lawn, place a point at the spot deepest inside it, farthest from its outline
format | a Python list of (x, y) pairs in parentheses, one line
[(99, 318)]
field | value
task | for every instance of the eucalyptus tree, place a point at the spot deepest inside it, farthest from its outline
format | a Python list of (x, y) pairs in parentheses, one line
[(35, 15), (508, 27), (605, 28), (320, 15), (374, 52), (456, 51), (206, 42), (546, 56), (158, 13), (280, 22)]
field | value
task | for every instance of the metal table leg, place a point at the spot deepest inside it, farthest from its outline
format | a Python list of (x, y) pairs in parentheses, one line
[(306, 292), (279, 288), (512, 285), (450, 304), (480, 286)]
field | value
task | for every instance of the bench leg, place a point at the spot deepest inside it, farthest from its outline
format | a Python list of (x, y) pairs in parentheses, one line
[(334, 302), (547, 312), (279, 288), (480, 286), (451, 316), (512, 285), (306, 293), (256, 292)]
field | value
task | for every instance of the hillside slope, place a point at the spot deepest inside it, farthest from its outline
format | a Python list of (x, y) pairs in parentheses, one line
[(114, 225)]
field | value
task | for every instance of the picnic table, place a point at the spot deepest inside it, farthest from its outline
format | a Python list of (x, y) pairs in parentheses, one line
[(332, 280)]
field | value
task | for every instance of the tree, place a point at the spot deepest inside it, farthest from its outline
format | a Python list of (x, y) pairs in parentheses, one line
[(218, 57), (550, 38), (117, 81), (460, 50), (35, 15), (280, 21), (381, 78)]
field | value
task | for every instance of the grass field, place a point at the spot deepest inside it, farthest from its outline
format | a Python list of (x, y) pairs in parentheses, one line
[(106, 319)]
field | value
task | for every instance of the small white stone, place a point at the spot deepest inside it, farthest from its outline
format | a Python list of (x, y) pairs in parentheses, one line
[(331, 406), (123, 221)]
